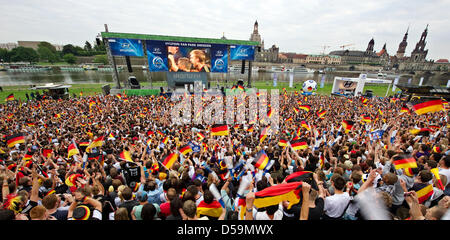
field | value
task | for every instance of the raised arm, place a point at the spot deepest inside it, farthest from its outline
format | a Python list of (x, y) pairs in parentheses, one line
[(305, 204)]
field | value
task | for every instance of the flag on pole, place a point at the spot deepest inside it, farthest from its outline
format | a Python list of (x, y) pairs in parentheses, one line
[(298, 144), (169, 159), (219, 130), (422, 106), (404, 161), (185, 150), (14, 139), (276, 194), (72, 150), (10, 97), (261, 160)]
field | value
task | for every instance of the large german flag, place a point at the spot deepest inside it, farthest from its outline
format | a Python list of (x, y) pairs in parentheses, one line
[(305, 125), (10, 97), (125, 155), (424, 191), (305, 107), (321, 114), (299, 144), (72, 150), (404, 109), (404, 161), (14, 139), (213, 209), (422, 106), (96, 143), (275, 194), (185, 150), (302, 176), (420, 131), (283, 142), (365, 119), (219, 130), (261, 160), (264, 133), (347, 125), (200, 136), (169, 160)]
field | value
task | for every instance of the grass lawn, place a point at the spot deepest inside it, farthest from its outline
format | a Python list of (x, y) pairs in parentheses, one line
[(90, 89)]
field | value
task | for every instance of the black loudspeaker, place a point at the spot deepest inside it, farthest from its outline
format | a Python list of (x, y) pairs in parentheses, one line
[(243, 67), (222, 89), (240, 83), (134, 83), (127, 59), (161, 89), (106, 89)]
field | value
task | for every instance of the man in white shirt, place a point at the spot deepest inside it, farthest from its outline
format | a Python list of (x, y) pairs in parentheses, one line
[(336, 204), (444, 167)]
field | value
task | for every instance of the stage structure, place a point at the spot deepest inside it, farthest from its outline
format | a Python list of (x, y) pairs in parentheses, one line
[(184, 59), (355, 86)]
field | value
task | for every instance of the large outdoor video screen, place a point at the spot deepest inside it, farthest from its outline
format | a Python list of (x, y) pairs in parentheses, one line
[(126, 47), (186, 57)]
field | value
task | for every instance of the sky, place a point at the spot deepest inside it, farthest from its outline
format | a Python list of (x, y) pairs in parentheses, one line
[(301, 26)]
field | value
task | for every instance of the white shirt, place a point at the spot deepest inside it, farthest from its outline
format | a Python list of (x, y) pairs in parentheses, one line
[(278, 215), (445, 172), (336, 204)]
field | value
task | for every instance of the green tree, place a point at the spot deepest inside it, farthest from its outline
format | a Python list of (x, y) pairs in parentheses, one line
[(23, 54), (4, 55), (69, 58), (99, 46), (69, 48), (47, 45), (46, 54), (103, 59), (87, 46)]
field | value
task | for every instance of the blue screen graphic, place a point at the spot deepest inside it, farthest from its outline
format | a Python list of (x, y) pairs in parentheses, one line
[(126, 47), (242, 52)]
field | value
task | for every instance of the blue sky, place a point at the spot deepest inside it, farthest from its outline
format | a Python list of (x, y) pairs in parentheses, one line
[(294, 26)]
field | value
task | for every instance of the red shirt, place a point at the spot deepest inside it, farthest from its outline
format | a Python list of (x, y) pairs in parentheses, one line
[(165, 209)]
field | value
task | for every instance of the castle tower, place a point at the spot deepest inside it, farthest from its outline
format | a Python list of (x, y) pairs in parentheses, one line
[(402, 46), (369, 49), (255, 35), (419, 53)]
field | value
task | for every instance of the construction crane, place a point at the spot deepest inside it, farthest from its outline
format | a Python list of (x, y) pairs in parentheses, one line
[(346, 45)]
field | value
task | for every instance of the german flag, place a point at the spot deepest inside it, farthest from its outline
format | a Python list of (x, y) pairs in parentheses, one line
[(30, 124), (289, 119), (404, 161), (275, 194), (96, 143), (422, 106), (72, 179), (420, 131), (10, 97), (298, 132), (263, 134), (296, 110), (125, 155), (365, 119), (47, 152), (321, 114), (10, 115), (125, 99), (364, 100), (250, 129), (305, 107), (404, 109), (83, 144), (270, 113), (72, 150), (27, 156), (57, 115), (302, 176), (219, 130), (185, 150), (200, 136), (305, 125), (213, 209), (393, 100), (119, 96), (299, 144), (52, 191), (347, 125), (261, 160), (424, 191), (165, 140), (240, 87), (283, 142), (409, 172), (435, 172), (93, 156), (380, 112), (169, 160), (14, 139)]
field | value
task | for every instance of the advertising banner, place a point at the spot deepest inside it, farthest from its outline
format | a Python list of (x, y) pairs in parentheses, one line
[(242, 52), (126, 47), (186, 57)]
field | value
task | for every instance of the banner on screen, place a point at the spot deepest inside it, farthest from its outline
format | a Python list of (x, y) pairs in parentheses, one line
[(186, 57), (126, 47), (242, 52)]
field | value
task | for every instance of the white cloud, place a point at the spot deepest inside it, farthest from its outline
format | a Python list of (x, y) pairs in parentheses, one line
[(293, 25)]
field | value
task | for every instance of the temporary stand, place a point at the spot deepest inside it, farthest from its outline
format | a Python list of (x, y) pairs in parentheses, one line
[(112, 60)]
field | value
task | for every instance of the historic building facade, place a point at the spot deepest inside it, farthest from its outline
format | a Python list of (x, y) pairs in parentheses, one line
[(363, 57), (265, 55)]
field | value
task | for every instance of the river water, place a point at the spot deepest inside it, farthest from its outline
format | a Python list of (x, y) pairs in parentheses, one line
[(92, 76)]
